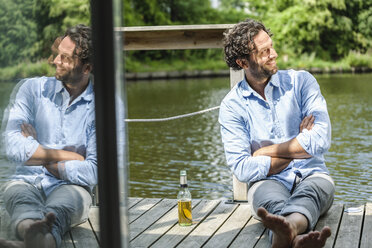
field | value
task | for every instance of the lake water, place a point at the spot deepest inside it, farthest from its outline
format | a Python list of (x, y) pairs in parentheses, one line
[(159, 150)]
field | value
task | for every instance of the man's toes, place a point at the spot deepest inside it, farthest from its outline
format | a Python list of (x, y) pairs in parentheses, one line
[(326, 232), (50, 218), (314, 235), (261, 212)]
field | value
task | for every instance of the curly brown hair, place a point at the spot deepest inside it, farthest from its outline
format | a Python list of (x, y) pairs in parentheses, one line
[(238, 41), (81, 36)]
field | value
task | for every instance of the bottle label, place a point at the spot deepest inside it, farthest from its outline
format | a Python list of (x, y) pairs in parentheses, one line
[(184, 213)]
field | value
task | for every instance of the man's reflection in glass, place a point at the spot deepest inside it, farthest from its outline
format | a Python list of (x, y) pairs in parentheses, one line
[(50, 136)]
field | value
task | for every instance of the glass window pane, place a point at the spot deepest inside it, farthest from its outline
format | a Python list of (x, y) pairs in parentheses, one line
[(48, 156)]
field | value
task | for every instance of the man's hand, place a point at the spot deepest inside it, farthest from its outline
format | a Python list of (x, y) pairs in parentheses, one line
[(28, 130), (307, 123), (53, 169), (282, 154)]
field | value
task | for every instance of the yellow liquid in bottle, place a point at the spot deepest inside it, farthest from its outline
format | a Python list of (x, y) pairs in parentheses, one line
[(184, 213)]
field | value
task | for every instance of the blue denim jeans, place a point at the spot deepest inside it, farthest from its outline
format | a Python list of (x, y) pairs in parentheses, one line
[(69, 203), (311, 196)]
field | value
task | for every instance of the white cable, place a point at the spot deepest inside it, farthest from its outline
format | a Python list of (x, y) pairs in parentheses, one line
[(173, 117)]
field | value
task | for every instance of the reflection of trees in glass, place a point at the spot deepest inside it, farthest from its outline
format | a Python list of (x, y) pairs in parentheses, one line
[(17, 31), (29, 27), (55, 16), (327, 29)]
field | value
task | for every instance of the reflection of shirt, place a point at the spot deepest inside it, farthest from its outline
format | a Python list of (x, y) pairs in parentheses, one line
[(248, 122), (44, 103)]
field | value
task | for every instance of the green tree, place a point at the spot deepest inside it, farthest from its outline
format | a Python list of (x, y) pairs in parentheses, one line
[(17, 31), (169, 12), (53, 17), (328, 28)]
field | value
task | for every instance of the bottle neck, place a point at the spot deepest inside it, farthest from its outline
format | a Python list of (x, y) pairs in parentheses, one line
[(184, 185), (183, 180)]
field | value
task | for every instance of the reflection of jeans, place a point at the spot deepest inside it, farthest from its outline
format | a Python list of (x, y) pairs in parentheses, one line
[(70, 204)]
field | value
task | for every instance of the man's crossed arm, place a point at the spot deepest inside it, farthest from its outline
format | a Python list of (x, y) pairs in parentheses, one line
[(48, 157), (282, 154)]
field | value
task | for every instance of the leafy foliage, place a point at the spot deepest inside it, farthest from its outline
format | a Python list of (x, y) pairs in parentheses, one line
[(319, 29), (327, 28), (54, 16), (16, 40)]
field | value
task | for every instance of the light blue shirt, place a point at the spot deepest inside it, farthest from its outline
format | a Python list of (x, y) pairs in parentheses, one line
[(248, 122), (44, 103)]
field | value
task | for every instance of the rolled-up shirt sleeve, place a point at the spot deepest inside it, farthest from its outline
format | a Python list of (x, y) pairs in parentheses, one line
[(19, 149), (82, 173), (317, 140), (235, 138)]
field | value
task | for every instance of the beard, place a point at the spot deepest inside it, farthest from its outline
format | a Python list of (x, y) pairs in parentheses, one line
[(70, 76), (261, 71)]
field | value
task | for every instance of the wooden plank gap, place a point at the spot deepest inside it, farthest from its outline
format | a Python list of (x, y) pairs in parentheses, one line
[(72, 239), (250, 234), (94, 232), (263, 241), (151, 201), (366, 239), (134, 201), (237, 235), (158, 211), (332, 219), (350, 229), (338, 227)]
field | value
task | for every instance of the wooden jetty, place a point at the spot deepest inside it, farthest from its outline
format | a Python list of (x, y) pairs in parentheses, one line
[(153, 223)]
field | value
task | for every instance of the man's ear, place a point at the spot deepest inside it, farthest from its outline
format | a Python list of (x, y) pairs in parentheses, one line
[(87, 68), (243, 63)]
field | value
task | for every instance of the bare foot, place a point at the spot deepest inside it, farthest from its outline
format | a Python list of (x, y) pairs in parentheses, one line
[(313, 239), (39, 233), (11, 244), (283, 231)]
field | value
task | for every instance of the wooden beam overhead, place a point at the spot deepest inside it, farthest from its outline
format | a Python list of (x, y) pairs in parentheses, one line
[(173, 37)]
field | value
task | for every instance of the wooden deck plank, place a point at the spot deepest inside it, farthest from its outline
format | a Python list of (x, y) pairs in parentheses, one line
[(151, 216), (217, 224), (250, 234), (177, 233), (230, 229), (133, 201), (332, 219), (66, 241), (94, 219), (141, 207), (264, 241), (159, 228), (366, 241), (350, 229), (83, 236), (209, 226)]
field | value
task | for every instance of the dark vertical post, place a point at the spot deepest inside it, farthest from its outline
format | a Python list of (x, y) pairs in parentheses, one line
[(104, 87)]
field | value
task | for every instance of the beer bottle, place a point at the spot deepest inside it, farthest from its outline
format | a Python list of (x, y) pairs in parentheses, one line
[(184, 201)]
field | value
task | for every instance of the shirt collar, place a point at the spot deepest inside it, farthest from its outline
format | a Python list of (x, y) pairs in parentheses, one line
[(59, 86), (274, 80), (87, 94), (247, 89)]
